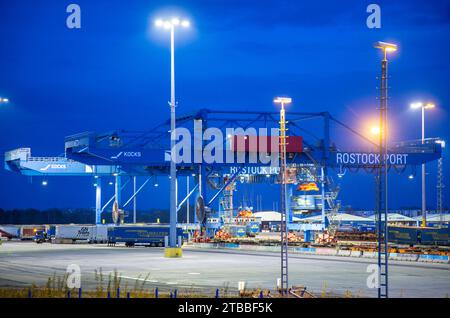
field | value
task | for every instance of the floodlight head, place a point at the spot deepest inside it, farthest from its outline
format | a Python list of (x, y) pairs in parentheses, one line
[(172, 23), (416, 105), (282, 100), (386, 47)]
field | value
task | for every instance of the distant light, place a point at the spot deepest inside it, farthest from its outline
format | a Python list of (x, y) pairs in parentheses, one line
[(159, 23), (4, 100), (96, 177), (375, 130), (110, 183), (115, 174), (185, 23), (429, 106), (44, 183), (156, 184), (441, 142), (267, 175), (95, 184), (167, 25), (193, 174), (410, 177)]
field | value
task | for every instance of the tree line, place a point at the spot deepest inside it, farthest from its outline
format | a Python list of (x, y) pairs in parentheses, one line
[(82, 216)]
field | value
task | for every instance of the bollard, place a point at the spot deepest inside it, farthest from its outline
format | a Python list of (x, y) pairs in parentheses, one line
[(29, 293), (118, 292), (68, 293), (128, 295), (261, 294), (175, 294), (217, 293), (79, 292), (156, 292)]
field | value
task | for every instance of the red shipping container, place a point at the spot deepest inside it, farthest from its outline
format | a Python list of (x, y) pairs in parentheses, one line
[(241, 143)]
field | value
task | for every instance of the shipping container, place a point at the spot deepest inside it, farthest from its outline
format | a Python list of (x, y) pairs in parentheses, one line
[(10, 231), (403, 235), (237, 230), (74, 232), (152, 235), (88, 233), (436, 236), (253, 228), (99, 234)]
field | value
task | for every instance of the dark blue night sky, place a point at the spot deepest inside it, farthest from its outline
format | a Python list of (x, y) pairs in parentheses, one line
[(114, 73)]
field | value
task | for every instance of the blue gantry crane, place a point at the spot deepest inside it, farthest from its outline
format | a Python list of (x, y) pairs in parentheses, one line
[(122, 153)]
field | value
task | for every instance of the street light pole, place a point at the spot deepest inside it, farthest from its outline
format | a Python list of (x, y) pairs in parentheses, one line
[(171, 25), (423, 107), (173, 167), (424, 196), (382, 176)]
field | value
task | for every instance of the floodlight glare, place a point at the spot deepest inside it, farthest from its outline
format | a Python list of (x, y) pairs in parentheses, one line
[(416, 105), (375, 130), (167, 25), (175, 21), (282, 100), (388, 47)]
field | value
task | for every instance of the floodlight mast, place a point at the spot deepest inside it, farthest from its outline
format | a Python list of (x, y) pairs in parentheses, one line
[(284, 284), (381, 203), (423, 107), (171, 25)]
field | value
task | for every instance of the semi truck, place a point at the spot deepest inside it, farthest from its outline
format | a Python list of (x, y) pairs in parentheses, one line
[(27, 232), (150, 235)]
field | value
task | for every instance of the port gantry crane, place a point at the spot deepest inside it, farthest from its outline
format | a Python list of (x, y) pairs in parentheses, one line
[(122, 153)]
